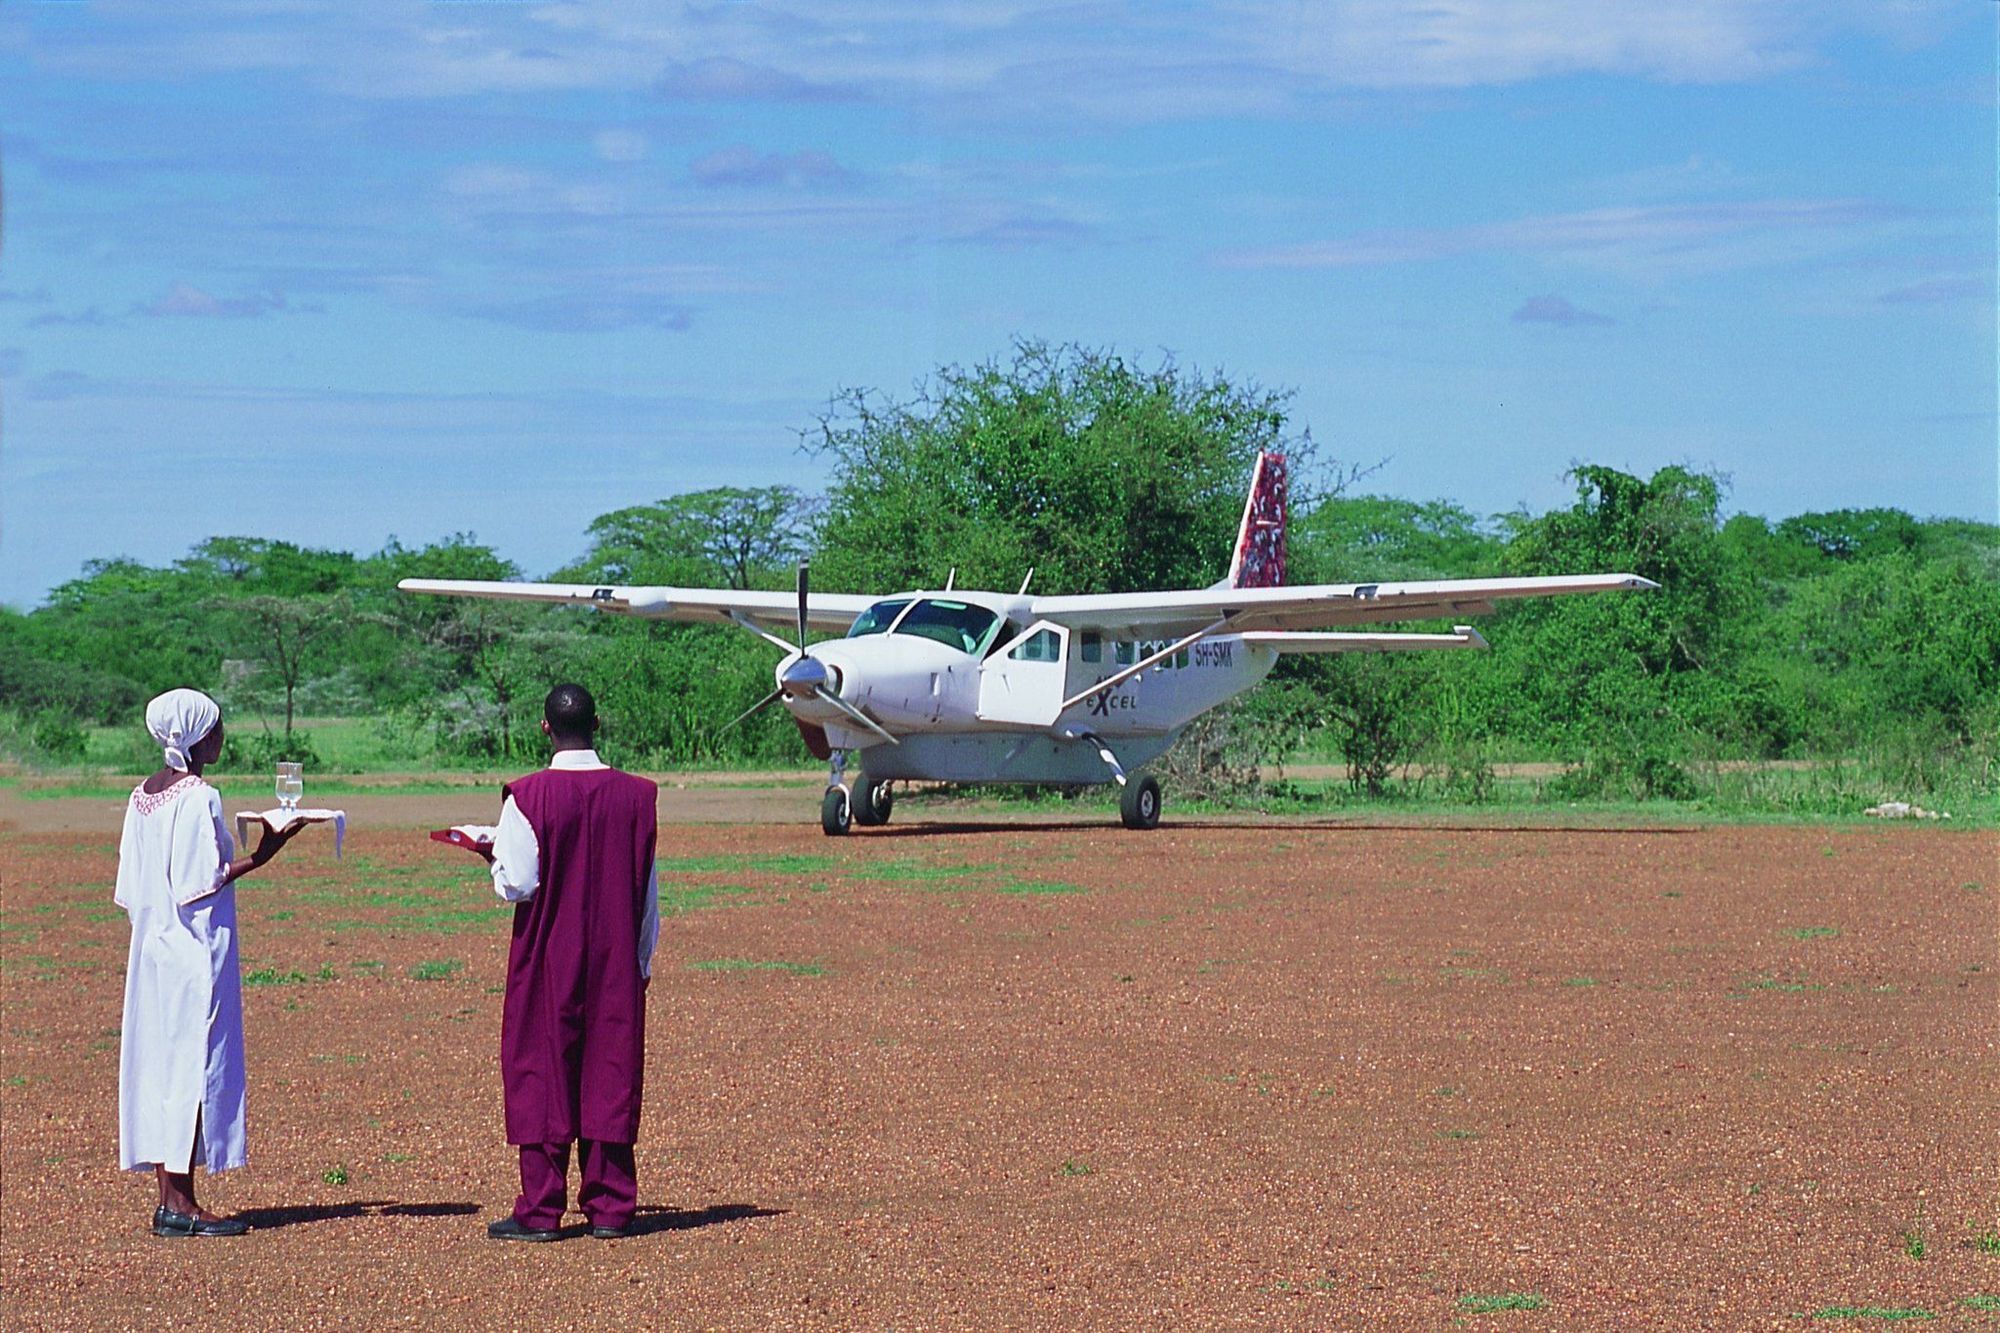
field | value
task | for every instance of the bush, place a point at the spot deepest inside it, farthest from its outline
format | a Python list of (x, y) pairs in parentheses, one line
[(258, 751), (60, 737)]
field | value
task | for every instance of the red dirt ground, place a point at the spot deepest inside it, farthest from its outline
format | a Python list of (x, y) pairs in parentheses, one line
[(1058, 1076)]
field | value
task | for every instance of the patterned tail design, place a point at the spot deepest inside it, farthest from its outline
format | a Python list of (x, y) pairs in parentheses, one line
[(1259, 561)]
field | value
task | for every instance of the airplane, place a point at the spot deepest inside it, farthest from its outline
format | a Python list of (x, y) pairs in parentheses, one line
[(957, 685)]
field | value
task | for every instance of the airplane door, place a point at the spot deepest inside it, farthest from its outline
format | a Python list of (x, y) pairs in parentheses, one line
[(1023, 682)]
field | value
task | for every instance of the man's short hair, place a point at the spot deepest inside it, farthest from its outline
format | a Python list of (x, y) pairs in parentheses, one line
[(571, 713)]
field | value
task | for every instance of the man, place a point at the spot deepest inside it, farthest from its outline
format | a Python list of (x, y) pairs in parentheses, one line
[(574, 851)]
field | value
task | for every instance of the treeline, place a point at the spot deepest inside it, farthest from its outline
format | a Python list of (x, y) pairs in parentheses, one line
[(1868, 636)]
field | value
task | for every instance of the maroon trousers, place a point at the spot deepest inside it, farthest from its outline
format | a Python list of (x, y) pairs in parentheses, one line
[(610, 1189)]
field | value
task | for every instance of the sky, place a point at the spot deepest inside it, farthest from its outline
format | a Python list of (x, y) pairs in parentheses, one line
[(337, 272)]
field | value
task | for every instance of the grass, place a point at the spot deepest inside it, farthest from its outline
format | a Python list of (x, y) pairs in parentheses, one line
[(335, 1174), (1987, 1242), (1891, 1313), (751, 965), (1502, 1301), (438, 970), (1075, 1166), (678, 898), (765, 865), (1983, 1304), (271, 976), (1814, 932)]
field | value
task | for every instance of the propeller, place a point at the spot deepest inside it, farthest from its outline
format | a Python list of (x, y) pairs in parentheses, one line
[(806, 677)]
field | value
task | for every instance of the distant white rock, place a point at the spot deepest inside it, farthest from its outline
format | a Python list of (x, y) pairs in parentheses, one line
[(1903, 810)]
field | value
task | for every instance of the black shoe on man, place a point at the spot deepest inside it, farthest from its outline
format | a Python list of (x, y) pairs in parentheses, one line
[(509, 1229)]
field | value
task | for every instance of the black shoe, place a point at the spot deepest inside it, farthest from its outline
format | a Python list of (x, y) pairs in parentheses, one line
[(167, 1222), (508, 1229), (612, 1233)]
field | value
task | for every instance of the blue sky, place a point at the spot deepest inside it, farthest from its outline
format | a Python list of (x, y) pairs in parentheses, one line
[(332, 272)]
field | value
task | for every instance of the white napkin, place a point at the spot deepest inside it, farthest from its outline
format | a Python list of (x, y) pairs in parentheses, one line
[(478, 832), (278, 820)]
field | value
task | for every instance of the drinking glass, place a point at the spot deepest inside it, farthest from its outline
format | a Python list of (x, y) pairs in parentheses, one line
[(291, 786)]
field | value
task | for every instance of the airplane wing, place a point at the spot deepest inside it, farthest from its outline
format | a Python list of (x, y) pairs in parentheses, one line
[(1313, 606), (832, 612)]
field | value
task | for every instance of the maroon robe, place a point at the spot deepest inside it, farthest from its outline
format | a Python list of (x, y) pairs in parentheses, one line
[(573, 1030)]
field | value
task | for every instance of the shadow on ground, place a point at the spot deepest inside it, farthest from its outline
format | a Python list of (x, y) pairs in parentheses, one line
[(264, 1219), (952, 829), (649, 1220)]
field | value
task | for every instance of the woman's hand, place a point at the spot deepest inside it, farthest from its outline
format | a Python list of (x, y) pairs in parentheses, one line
[(268, 846)]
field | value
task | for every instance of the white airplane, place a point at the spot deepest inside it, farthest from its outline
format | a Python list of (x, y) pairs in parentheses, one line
[(961, 686)]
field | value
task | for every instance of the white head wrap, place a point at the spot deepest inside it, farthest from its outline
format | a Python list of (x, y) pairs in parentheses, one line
[(178, 720)]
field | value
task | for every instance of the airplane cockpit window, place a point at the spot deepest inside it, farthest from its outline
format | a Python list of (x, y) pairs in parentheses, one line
[(876, 619), (958, 625)]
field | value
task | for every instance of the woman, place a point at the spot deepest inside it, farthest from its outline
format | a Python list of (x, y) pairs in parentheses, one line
[(180, 1065)]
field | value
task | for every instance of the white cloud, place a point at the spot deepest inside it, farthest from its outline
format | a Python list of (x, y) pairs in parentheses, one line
[(1686, 237), (1120, 61), (740, 164), (186, 301), (619, 145), (1557, 310)]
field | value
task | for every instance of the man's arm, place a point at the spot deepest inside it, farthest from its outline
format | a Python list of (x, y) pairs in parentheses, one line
[(516, 856), (649, 924)]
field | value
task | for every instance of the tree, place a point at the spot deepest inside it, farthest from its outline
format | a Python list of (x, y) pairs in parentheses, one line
[(739, 538), (281, 633), (1096, 473)]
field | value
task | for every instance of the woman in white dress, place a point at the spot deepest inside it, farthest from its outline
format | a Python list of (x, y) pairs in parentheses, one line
[(180, 1062)]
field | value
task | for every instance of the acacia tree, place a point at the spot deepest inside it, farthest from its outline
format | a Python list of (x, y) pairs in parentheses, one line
[(281, 633), (1096, 472), (739, 537)]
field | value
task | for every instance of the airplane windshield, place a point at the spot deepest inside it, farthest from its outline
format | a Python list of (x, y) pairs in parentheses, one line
[(876, 619), (956, 624)]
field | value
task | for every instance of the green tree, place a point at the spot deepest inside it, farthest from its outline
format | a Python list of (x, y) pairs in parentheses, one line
[(729, 536), (1097, 473), (285, 634)]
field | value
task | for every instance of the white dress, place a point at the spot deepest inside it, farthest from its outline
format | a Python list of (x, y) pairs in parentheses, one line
[(181, 1048)]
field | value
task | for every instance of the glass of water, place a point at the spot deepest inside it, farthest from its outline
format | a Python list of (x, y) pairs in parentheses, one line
[(291, 785)]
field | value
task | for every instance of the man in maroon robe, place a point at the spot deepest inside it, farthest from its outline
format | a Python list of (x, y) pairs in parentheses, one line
[(574, 852)]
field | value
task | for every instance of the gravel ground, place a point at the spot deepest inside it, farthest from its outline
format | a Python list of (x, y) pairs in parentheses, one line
[(1061, 1076)]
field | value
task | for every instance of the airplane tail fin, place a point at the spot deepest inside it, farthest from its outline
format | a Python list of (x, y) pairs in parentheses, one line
[(1259, 558)]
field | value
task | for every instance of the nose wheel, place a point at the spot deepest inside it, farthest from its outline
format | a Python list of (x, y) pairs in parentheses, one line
[(836, 812)]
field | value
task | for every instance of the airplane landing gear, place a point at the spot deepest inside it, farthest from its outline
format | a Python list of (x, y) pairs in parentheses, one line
[(872, 802), (1139, 804), (836, 812), (836, 809)]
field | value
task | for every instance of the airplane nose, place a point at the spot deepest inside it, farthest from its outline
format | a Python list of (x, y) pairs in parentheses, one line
[(803, 677)]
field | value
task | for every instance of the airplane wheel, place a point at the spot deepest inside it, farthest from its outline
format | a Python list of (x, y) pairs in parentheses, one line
[(872, 802), (1139, 804), (836, 813)]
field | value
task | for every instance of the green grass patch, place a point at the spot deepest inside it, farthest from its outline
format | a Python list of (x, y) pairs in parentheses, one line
[(438, 970), (1580, 981), (753, 965), (1038, 888), (678, 898), (765, 865), (335, 1174), (1987, 1242), (920, 872), (1814, 932), (1075, 1166), (271, 976), (1501, 1301), (1890, 1313), (1983, 1304)]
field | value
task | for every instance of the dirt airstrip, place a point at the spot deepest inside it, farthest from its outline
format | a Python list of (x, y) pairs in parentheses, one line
[(1056, 1075)]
